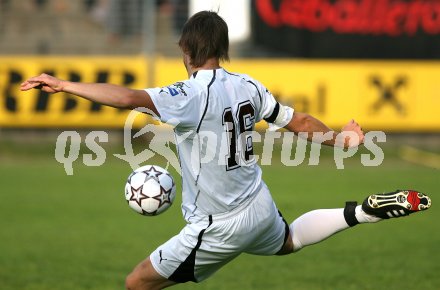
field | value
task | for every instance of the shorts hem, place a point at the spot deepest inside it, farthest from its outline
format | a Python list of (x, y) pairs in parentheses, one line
[(160, 272)]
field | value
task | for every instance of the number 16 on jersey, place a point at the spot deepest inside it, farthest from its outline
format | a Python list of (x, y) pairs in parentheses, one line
[(239, 129)]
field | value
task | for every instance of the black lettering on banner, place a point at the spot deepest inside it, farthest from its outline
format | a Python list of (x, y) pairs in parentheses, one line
[(307, 103), (388, 94), (43, 98), (15, 78), (71, 102), (245, 118), (39, 102)]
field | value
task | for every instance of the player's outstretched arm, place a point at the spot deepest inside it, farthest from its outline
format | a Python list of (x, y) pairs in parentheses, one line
[(351, 134), (106, 94)]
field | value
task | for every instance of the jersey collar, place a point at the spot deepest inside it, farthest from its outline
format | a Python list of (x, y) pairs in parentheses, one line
[(204, 72)]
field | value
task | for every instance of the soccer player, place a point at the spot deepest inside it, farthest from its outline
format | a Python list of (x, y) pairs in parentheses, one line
[(228, 208)]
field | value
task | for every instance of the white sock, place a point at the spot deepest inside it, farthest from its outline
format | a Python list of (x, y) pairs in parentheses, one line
[(363, 217), (316, 226)]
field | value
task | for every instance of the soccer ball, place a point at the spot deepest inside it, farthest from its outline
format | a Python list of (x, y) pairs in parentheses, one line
[(150, 190)]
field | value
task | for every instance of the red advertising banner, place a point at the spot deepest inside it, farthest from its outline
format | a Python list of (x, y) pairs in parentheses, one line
[(349, 28)]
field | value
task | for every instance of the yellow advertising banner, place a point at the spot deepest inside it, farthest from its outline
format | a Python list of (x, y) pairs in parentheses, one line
[(39, 109), (385, 95), (400, 96), (381, 95)]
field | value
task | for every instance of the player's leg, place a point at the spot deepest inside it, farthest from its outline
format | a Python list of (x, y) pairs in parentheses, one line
[(313, 227), (193, 255), (318, 225), (171, 262), (144, 276)]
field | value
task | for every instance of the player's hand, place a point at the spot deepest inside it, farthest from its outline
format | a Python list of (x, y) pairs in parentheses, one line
[(354, 136), (43, 82)]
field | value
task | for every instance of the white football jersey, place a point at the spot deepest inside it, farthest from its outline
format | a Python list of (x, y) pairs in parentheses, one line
[(214, 114)]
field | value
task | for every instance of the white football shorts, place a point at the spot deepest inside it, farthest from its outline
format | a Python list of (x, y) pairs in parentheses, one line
[(200, 249)]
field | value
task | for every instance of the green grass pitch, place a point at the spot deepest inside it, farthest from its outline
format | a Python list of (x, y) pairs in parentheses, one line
[(77, 232)]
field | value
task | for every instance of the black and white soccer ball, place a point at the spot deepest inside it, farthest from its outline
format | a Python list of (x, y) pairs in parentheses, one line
[(150, 190)]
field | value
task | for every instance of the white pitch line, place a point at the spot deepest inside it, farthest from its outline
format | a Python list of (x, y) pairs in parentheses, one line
[(421, 157)]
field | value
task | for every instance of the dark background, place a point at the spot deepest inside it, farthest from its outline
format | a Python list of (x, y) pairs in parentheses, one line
[(398, 42)]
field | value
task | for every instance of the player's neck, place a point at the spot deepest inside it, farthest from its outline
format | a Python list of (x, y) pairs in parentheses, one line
[(211, 63)]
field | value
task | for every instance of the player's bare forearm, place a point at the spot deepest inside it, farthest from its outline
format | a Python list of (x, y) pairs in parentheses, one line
[(106, 94), (305, 123), (317, 131)]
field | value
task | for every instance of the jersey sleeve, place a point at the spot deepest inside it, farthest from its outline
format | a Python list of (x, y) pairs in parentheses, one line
[(274, 113), (177, 104)]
